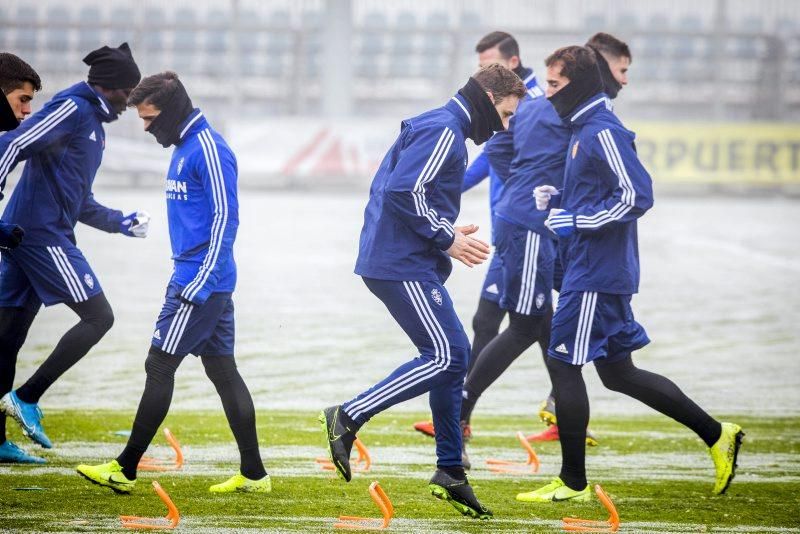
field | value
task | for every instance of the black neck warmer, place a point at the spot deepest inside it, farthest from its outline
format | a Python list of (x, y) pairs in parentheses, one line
[(484, 117), (166, 126), (8, 121), (610, 84), (584, 85)]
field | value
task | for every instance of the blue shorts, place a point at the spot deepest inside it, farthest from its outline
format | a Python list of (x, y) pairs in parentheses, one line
[(51, 275), (588, 325), (527, 260), (493, 283), (202, 330)]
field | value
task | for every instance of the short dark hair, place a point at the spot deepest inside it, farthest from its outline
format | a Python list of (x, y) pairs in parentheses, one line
[(505, 43), (575, 61), (500, 81), (608, 44), (155, 90), (14, 73)]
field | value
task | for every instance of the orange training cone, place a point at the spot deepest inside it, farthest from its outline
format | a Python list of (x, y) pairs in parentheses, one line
[(361, 464), (155, 464), (586, 525), (507, 466), (383, 503), (170, 521)]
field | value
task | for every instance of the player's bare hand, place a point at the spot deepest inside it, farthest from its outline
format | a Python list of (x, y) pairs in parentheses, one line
[(466, 249)]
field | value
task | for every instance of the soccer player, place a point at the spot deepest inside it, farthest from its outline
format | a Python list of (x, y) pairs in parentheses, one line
[(495, 47), (18, 83), (406, 239), (606, 189), (197, 315), (526, 248), (63, 145)]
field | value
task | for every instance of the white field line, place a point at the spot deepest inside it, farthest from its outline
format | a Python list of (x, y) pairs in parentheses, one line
[(277, 524), (417, 461)]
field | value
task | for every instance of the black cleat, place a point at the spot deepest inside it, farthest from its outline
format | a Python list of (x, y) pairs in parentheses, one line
[(459, 494), (340, 440)]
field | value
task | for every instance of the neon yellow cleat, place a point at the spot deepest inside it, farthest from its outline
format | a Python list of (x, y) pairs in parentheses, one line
[(108, 475), (239, 483), (547, 411), (724, 453), (556, 491)]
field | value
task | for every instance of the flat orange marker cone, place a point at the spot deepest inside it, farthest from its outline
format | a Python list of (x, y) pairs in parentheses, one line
[(170, 521), (361, 464), (156, 464), (507, 466), (586, 525), (383, 503)]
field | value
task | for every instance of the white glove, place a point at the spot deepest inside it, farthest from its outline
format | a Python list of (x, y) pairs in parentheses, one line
[(140, 224), (542, 195)]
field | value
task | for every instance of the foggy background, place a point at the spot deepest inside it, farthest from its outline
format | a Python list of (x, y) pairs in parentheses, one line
[(310, 95)]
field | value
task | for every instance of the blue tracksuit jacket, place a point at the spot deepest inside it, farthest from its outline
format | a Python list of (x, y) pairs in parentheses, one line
[(540, 142), (415, 198), (63, 144), (202, 210), (607, 189)]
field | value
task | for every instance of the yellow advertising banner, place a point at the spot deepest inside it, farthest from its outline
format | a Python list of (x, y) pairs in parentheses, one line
[(720, 153)]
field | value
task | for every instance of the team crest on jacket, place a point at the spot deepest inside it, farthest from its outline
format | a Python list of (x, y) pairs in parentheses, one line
[(180, 165), (539, 301), (437, 296), (89, 280), (575, 149)]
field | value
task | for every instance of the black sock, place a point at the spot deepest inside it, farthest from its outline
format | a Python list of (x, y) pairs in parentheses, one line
[(153, 407), (14, 325), (96, 318), (455, 471), (486, 325), (239, 410), (468, 401), (659, 393), (522, 332), (572, 412)]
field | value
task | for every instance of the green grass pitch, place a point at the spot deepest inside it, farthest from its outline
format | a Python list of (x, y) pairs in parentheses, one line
[(658, 474)]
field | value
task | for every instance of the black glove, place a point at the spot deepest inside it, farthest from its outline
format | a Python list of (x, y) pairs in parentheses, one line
[(10, 235)]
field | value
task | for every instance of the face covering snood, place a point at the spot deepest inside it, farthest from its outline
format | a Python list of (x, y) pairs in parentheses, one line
[(577, 91), (484, 118), (165, 126), (610, 84)]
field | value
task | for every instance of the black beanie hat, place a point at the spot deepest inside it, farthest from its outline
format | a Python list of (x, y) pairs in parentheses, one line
[(113, 68)]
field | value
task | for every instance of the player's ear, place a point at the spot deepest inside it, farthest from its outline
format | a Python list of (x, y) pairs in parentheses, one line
[(491, 97)]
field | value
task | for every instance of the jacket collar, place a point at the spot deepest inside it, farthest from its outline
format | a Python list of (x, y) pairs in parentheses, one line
[(589, 108), (101, 106), (195, 122), (459, 107)]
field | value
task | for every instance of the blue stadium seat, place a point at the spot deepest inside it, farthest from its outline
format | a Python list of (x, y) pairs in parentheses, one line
[(401, 66), (595, 22), (627, 22), (58, 19), (27, 15), (375, 19), (279, 39), (91, 32), (216, 41), (122, 30), (658, 22), (470, 20), (403, 38)]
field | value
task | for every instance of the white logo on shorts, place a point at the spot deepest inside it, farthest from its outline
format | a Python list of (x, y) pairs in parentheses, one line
[(539, 301), (493, 289), (157, 334), (437, 296), (89, 280), (562, 349)]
